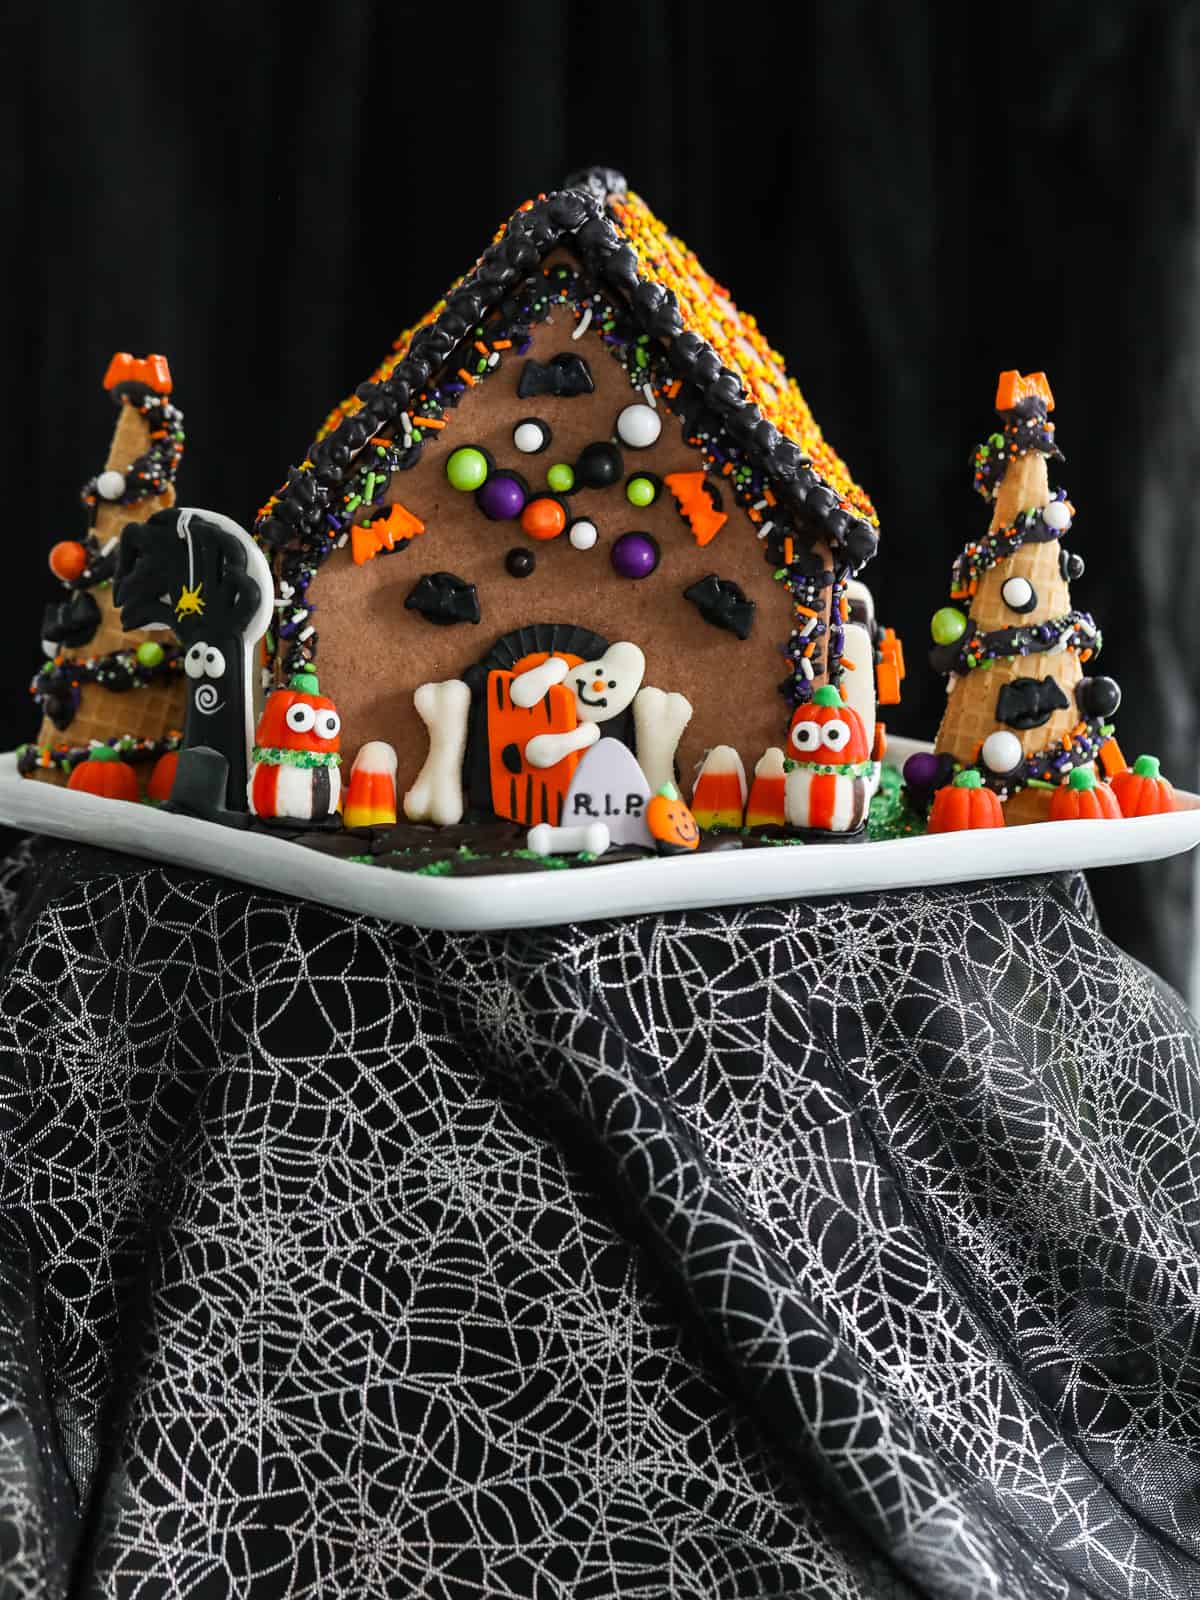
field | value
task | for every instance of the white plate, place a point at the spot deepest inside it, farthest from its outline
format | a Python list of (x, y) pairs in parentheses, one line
[(627, 888)]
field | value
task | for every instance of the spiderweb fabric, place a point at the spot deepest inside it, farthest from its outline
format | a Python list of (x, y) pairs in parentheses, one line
[(839, 1249)]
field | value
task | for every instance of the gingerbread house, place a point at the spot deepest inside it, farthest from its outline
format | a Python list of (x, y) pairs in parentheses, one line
[(584, 457)]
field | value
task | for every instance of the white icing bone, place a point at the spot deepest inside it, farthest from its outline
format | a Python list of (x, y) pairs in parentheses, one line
[(548, 749), (544, 840), (527, 688), (437, 795), (659, 720)]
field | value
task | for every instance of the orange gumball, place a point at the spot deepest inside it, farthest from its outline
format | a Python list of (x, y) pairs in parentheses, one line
[(68, 559), (544, 519)]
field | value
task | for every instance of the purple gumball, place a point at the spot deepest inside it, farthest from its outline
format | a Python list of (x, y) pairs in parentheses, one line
[(921, 770), (634, 555), (502, 497)]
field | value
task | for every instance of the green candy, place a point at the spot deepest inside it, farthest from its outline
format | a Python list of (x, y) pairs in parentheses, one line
[(1082, 778), (467, 469), (947, 625), (149, 654), (641, 492), (561, 478), (968, 780), (1146, 767)]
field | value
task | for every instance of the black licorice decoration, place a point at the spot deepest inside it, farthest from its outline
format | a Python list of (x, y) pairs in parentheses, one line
[(564, 377), (443, 598), (202, 576), (722, 602)]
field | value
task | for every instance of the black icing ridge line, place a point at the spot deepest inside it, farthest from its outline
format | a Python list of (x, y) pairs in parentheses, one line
[(156, 469), (576, 219), (62, 757), (1075, 630)]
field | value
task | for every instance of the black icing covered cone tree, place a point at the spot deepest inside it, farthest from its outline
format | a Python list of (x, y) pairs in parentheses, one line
[(1019, 708), (101, 682)]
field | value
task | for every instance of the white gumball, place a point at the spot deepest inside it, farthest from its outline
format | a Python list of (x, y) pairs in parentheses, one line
[(1057, 516), (639, 426), (531, 436), (582, 534), (110, 485), (1002, 752)]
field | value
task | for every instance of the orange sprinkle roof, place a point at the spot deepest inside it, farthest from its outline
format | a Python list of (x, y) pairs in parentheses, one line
[(708, 311)]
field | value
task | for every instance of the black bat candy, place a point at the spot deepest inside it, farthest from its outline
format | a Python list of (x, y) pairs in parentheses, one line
[(721, 602), (71, 622), (1027, 703), (599, 466), (442, 598), (564, 376), (1097, 697)]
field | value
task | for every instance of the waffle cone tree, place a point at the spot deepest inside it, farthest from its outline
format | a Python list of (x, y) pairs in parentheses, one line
[(100, 682), (1019, 709)]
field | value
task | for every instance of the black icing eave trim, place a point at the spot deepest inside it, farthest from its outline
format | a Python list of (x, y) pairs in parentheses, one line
[(574, 218)]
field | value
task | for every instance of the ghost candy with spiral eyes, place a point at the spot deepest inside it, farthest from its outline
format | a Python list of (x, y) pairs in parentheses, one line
[(294, 772)]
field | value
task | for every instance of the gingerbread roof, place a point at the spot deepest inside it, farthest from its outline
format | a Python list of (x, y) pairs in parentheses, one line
[(709, 342)]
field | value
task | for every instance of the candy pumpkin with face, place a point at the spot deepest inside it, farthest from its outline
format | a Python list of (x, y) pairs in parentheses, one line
[(295, 760), (828, 732), (672, 826), (827, 789)]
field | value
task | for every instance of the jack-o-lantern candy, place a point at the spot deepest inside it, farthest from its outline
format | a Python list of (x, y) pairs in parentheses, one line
[(829, 769), (295, 760), (672, 825)]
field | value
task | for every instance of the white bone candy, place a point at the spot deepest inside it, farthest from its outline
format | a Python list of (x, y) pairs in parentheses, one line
[(592, 837)]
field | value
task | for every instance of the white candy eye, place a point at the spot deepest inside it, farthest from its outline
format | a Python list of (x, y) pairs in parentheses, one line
[(300, 717), (806, 736), (638, 426), (193, 662), (328, 723), (531, 435), (214, 662), (1018, 594), (835, 735)]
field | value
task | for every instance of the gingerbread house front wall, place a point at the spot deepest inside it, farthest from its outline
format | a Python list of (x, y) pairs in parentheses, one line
[(374, 652)]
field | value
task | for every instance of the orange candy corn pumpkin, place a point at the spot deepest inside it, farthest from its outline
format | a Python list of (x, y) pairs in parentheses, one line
[(1142, 791), (104, 773), (965, 803), (1083, 799)]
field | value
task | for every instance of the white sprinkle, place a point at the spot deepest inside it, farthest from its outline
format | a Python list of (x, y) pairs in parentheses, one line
[(808, 627), (307, 633), (299, 616), (806, 666), (106, 548), (764, 530), (406, 422), (338, 543), (285, 589), (583, 324), (759, 504), (280, 605), (649, 393), (265, 677), (494, 359)]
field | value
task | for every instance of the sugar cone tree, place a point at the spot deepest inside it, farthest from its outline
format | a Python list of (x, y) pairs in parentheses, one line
[(100, 683), (1019, 709)]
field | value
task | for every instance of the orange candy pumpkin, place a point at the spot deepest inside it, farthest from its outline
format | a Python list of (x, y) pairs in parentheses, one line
[(672, 826), (965, 803), (162, 779), (1083, 799), (299, 718), (1142, 791), (104, 773)]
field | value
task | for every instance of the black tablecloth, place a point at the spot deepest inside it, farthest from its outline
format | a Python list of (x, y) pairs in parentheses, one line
[(840, 1248)]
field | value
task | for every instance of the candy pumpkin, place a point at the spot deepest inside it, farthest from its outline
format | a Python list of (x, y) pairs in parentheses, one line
[(1083, 799), (965, 803), (162, 779), (672, 826), (104, 773), (1142, 791), (299, 718), (828, 732)]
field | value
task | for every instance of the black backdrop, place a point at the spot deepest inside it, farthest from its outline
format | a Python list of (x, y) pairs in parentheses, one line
[(909, 197)]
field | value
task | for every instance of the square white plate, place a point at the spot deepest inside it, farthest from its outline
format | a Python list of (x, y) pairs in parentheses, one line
[(624, 889)]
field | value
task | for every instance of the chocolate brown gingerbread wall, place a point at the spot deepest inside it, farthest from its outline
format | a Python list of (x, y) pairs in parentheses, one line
[(373, 653)]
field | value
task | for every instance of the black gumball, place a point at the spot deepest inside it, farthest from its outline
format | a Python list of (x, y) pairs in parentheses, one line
[(599, 466), (519, 563), (1071, 566), (1098, 697)]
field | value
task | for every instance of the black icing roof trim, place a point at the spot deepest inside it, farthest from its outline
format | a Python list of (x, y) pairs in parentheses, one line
[(576, 218)]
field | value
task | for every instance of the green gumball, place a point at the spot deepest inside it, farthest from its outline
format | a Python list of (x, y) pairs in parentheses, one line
[(947, 625), (467, 469)]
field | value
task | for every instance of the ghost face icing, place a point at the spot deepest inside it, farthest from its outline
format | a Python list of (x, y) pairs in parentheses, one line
[(606, 687)]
